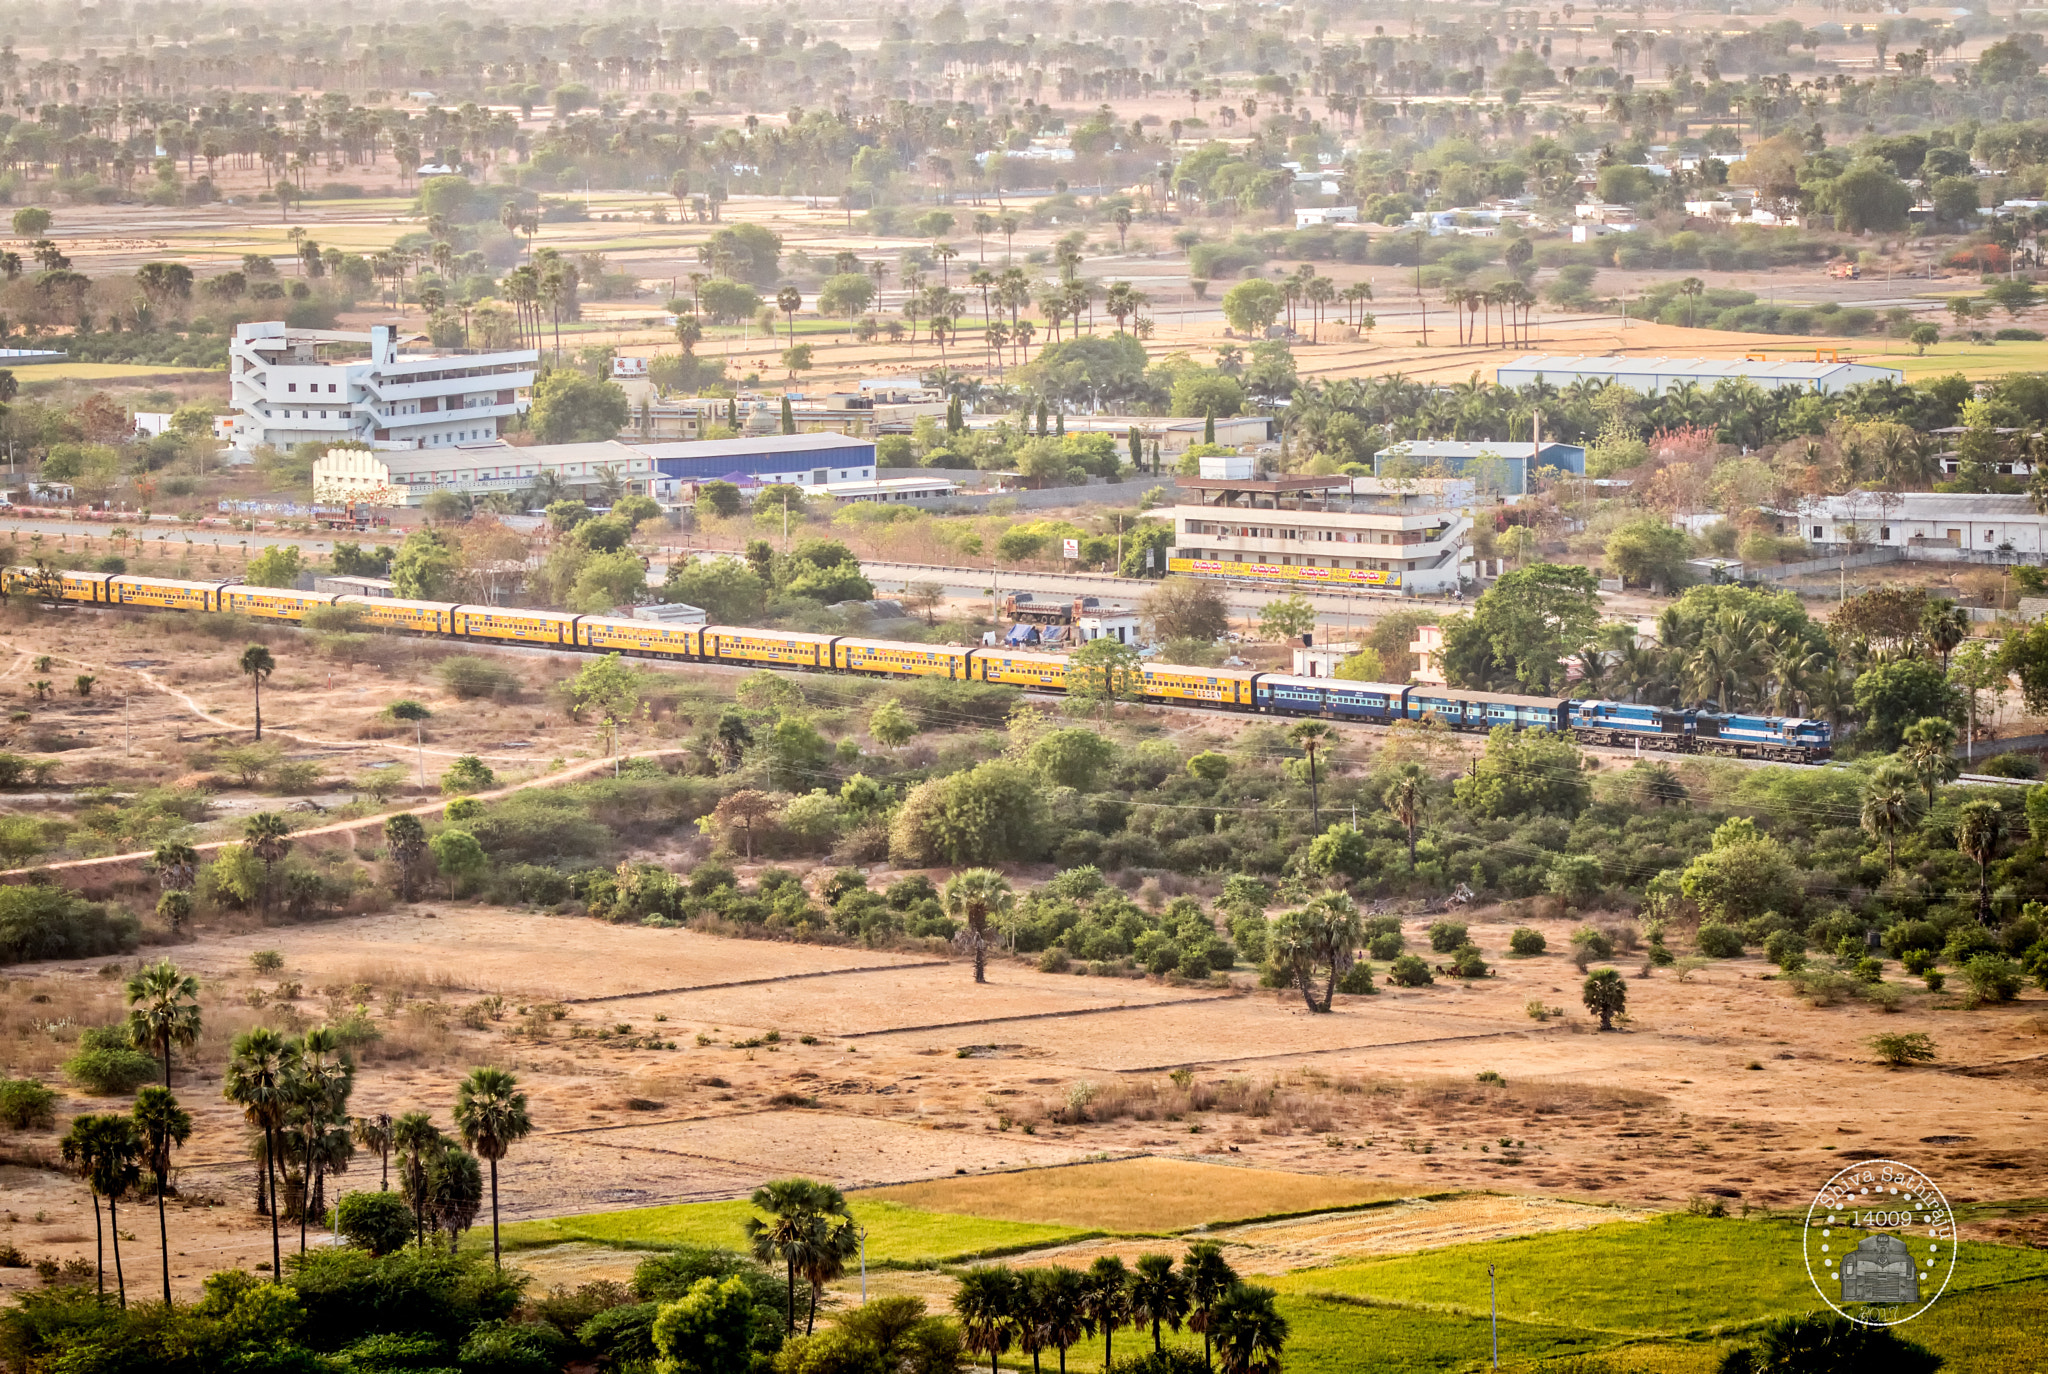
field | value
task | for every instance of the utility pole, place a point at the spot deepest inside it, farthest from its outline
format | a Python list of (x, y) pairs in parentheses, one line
[(1493, 1303)]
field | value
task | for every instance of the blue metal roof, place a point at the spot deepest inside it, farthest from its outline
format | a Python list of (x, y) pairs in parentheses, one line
[(712, 458)]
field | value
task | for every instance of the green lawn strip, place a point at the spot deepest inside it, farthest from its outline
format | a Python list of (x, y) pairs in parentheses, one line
[(898, 1236), (1672, 1275)]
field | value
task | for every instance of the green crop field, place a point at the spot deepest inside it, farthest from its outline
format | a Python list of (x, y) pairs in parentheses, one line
[(1971, 360), (897, 1235)]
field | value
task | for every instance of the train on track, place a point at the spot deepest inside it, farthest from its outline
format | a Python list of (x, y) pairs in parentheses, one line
[(1625, 723)]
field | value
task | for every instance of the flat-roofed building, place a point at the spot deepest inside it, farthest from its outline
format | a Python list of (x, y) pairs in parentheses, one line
[(1654, 376), (1296, 533)]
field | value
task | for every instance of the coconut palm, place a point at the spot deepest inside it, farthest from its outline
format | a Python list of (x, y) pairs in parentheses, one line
[(161, 1126), (1159, 1296), (262, 1069), (986, 1303), (417, 1139), (974, 899), (1209, 1277), (163, 1010), (491, 1116), (1106, 1300), (373, 1133), (1891, 802), (1249, 1331), (257, 664)]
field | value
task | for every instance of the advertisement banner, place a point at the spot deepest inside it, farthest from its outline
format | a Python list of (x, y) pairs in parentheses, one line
[(1275, 572)]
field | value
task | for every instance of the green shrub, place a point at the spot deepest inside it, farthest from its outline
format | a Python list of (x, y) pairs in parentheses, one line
[(472, 678), (1445, 936), (38, 922), (1992, 978), (1054, 960), (514, 1348), (110, 1073), (468, 774), (1386, 945), (621, 1337), (1466, 963), (1868, 970), (26, 1105), (1965, 942), (391, 1354), (1786, 949), (1908, 937), (349, 1293), (1409, 971), (1526, 942), (1718, 941), (1375, 926), (1357, 980), (378, 1222)]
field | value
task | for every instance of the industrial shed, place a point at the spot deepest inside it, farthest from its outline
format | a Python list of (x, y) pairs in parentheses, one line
[(1653, 376)]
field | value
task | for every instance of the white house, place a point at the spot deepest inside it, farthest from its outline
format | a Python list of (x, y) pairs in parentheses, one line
[(1325, 214), (2004, 527), (292, 386)]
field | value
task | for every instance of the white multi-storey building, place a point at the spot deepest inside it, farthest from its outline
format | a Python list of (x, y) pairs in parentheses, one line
[(1295, 533), (293, 386)]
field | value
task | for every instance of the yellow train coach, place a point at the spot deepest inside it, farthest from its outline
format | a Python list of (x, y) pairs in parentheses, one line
[(639, 637), (164, 594), (1033, 672), (1212, 687), (785, 649), (903, 660), (85, 587), (412, 617), (273, 603), (517, 627)]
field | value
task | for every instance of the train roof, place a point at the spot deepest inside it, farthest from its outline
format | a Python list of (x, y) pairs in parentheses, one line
[(557, 617), (900, 644), (1194, 670), (1484, 698), (625, 622), (1025, 655), (171, 581), (356, 599), (788, 636), (252, 589), (1391, 689)]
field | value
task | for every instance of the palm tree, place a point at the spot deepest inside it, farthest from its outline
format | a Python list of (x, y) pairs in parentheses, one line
[(163, 1010), (1249, 1331), (79, 1150), (789, 300), (419, 1139), (1028, 1319), (1059, 1299), (262, 1067), (837, 1241), (104, 1147), (268, 835), (1978, 831), (374, 1133), (1209, 1277), (973, 898), (986, 1304), (1158, 1295), (1106, 1301), (1944, 625), (491, 1117), (258, 665), (1407, 800), (176, 865), (800, 1216), (1310, 735), (1930, 753), (326, 1078), (1891, 801), (161, 1126)]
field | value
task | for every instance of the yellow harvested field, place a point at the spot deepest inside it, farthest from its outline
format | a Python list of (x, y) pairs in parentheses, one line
[(106, 372), (1148, 1196)]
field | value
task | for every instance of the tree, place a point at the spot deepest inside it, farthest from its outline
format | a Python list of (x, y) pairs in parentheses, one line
[(726, 589), (491, 1117), (459, 858), (1159, 1296), (800, 1211), (1832, 1344), (994, 812), (986, 1303), (277, 566), (1869, 196), (709, 1330), (1944, 625), (1745, 874), (1315, 941), (1891, 803), (257, 664), (1979, 828), (796, 358), (373, 1133), (1106, 1300), (1070, 758), (1309, 737), (161, 1126), (1406, 799), (31, 222), (1206, 394), (974, 899), (1528, 621), (105, 1150), (417, 1141), (268, 836), (1899, 1050), (262, 1067), (846, 294), (1104, 669), (1892, 696), (1605, 995), (1287, 617), (454, 1190), (163, 1010), (1922, 335), (406, 840), (1649, 552), (1249, 1330), (576, 408), (891, 725), (1929, 753), (1187, 608), (1252, 306), (426, 567), (607, 686), (176, 864), (745, 811), (1209, 1278)]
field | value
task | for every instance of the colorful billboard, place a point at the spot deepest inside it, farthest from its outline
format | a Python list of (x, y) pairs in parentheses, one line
[(1275, 572)]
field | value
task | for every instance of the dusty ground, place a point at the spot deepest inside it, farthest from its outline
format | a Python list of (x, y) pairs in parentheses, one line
[(1722, 1083)]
